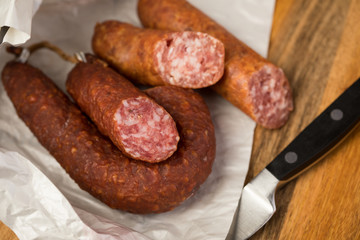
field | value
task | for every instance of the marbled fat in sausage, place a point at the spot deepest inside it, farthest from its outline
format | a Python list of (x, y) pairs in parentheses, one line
[(250, 82), (135, 123), (99, 167), (155, 57)]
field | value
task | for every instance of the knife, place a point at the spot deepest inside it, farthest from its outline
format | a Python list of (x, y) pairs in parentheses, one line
[(257, 202)]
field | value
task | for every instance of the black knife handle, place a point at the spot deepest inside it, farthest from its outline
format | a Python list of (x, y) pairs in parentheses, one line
[(320, 136)]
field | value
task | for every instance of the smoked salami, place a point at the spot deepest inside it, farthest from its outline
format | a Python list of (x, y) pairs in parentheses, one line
[(155, 57), (250, 82), (99, 167), (135, 123)]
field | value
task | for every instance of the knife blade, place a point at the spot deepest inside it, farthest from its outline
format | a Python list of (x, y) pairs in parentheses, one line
[(257, 202)]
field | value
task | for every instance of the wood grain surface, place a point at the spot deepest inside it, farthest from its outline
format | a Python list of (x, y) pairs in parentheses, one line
[(317, 43), (6, 233)]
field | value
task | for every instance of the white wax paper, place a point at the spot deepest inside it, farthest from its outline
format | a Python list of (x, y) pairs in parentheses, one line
[(17, 15), (206, 215), (38, 210)]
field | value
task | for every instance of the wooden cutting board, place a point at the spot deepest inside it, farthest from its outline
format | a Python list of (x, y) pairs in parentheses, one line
[(317, 43)]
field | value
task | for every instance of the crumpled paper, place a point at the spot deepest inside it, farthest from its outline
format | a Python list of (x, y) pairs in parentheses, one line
[(15, 20), (32, 202), (206, 215)]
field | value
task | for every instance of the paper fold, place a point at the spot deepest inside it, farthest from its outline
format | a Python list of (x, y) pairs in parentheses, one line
[(32, 204), (15, 20)]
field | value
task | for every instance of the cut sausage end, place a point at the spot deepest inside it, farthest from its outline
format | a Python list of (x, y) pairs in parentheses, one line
[(146, 131), (190, 59), (271, 96)]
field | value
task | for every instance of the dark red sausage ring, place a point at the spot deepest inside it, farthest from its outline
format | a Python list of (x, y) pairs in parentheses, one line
[(95, 164)]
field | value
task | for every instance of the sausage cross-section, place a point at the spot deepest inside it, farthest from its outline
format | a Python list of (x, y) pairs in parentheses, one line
[(155, 57), (99, 167), (250, 82), (135, 123)]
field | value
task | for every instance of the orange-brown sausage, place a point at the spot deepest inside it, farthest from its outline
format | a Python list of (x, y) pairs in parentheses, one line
[(155, 57), (135, 123), (99, 167), (250, 82)]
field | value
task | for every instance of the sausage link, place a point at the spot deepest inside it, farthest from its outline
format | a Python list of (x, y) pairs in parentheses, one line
[(155, 57), (250, 82), (99, 167), (136, 124)]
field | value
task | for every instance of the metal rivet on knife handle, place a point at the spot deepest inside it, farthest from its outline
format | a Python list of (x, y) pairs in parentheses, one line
[(336, 114), (291, 157)]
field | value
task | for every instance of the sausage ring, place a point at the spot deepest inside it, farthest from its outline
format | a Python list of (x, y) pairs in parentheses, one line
[(95, 164)]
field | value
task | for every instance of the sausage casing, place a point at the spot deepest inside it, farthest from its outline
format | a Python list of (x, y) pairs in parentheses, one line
[(250, 82), (156, 57), (135, 123), (99, 167)]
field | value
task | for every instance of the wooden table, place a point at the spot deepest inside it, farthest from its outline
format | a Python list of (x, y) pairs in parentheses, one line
[(317, 43)]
